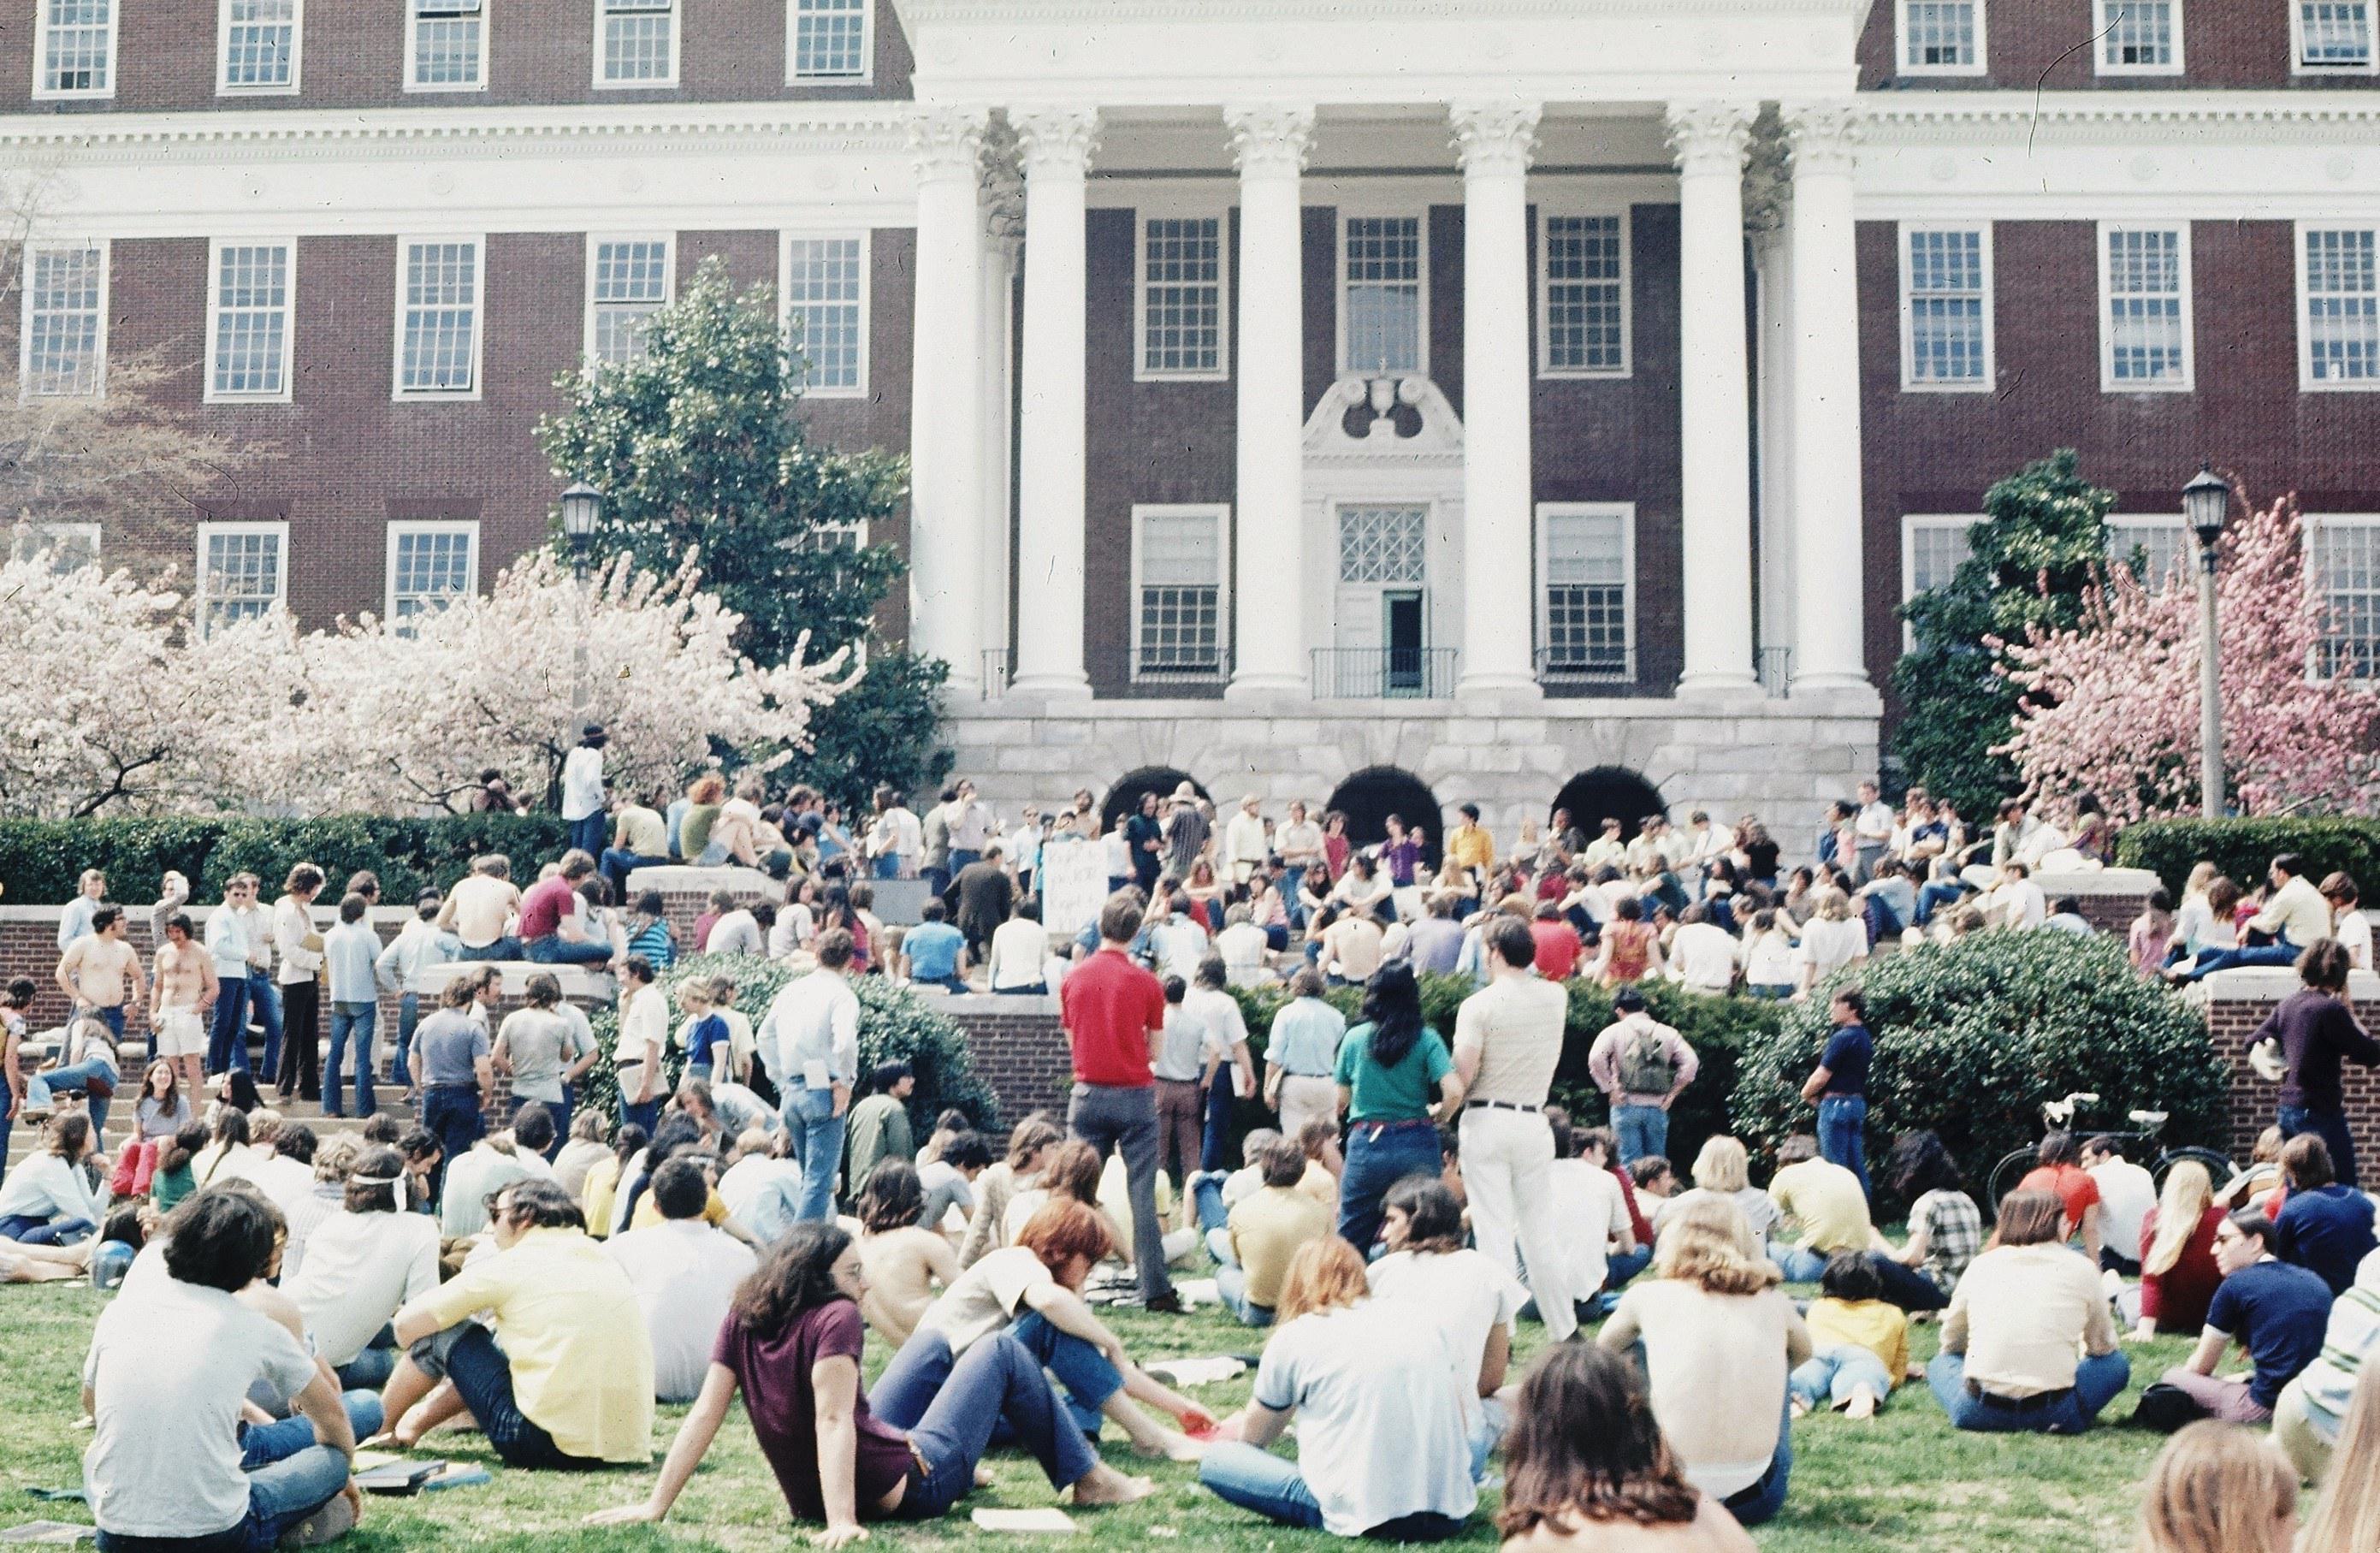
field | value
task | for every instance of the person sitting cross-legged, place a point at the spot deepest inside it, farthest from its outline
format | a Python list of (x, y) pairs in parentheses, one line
[(2022, 1313), (1265, 1229)]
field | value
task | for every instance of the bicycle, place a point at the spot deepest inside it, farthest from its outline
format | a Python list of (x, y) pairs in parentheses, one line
[(2060, 1114)]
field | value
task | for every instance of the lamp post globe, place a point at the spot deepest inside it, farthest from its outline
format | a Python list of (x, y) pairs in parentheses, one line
[(582, 508)]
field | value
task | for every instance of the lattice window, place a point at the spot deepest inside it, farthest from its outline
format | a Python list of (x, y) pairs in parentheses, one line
[(240, 572), (430, 566), (2161, 545), (449, 43), (1181, 297), (640, 41), (1383, 544), (1940, 34), (2335, 34), (2342, 307), (825, 300), (441, 318), (1180, 617), (830, 39), (2147, 303), (65, 312), (2139, 34), (1950, 313), (2347, 565), (1382, 272), (77, 48), (1937, 547), (251, 334), (630, 282), (259, 44), (1586, 584), (1586, 294)]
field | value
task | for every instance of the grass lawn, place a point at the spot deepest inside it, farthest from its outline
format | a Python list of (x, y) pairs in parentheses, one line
[(1905, 1481)]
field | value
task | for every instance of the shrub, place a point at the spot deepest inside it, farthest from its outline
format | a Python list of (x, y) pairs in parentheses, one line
[(1971, 1038), (2244, 848), (40, 859)]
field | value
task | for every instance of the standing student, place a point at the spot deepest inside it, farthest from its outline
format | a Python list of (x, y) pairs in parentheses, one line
[(180, 1000), (1112, 1009), (1395, 1080), (1840, 1085), (809, 1043), (637, 1053), (1301, 1055), (1186, 1060), (228, 942), (404, 967), (2318, 1032), (545, 1046), (582, 789), (1642, 1066), (452, 1059), (300, 950), (349, 952)]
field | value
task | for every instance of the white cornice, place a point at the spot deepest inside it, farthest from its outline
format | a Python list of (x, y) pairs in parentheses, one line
[(2267, 117)]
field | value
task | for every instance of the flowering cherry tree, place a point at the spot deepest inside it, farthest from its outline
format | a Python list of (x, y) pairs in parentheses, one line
[(2111, 704)]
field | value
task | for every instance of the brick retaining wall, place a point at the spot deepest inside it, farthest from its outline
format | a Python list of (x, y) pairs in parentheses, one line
[(2110, 898), (2236, 1004), (1018, 1048)]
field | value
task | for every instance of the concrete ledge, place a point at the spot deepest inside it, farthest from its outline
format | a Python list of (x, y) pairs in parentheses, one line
[(2098, 882), (963, 1006), (2270, 984), (680, 878)]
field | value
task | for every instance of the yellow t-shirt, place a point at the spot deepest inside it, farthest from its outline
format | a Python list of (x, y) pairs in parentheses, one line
[(1826, 1201), (1879, 1328), (602, 1187), (714, 1212), (1266, 1228), (1472, 846)]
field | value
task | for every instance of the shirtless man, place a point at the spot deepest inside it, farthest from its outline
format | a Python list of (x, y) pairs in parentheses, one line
[(180, 1002), (480, 910), (101, 973)]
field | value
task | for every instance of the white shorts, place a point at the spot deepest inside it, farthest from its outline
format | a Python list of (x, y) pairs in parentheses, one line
[(181, 1033)]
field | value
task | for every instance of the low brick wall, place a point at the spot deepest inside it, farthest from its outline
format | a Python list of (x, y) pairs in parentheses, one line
[(2110, 898), (2236, 1004), (1018, 1048)]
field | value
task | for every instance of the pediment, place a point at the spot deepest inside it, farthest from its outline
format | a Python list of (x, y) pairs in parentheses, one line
[(1375, 421)]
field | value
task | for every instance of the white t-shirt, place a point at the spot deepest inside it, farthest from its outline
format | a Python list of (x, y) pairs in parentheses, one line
[(1768, 960), (1376, 1441), (1587, 1207), (1828, 946), (1463, 1294), (1177, 945), (1242, 946), (1701, 954), (2126, 1193), (1018, 947), (170, 1364), (985, 1298), (684, 1273), (360, 1268), (1180, 1054), (2354, 934)]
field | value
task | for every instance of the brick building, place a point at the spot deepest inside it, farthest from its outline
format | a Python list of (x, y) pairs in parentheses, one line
[(1463, 396)]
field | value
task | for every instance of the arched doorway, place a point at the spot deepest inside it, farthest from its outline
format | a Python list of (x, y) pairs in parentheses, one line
[(1369, 796), (1612, 791), (1124, 797)]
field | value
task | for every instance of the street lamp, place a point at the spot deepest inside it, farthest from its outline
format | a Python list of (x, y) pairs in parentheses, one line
[(582, 508), (2206, 503)]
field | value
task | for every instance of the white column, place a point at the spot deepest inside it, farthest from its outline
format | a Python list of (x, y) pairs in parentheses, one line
[(1269, 552), (1057, 143), (1714, 396), (946, 510), (1493, 143), (1828, 520)]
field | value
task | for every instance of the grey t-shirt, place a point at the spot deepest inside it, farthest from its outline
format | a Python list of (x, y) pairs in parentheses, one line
[(447, 1047), (539, 1044)]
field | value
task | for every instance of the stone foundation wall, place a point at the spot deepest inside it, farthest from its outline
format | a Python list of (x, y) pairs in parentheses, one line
[(2236, 1004)]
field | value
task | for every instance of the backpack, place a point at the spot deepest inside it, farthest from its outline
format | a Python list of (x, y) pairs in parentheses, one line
[(1645, 1065)]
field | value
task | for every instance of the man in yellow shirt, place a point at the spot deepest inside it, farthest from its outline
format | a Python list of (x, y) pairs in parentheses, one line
[(1824, 1199), (1264, 1231), (1469, 843), (572, 1384)]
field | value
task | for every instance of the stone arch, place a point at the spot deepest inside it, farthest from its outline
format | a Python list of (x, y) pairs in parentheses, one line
[(1367, 798), (1124, 797), (1615, 791)]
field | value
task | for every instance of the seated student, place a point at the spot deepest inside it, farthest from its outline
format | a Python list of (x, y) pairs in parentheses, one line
[(1945, 1228), (1033, 1291), (1860, 1342), (1263, 1231), (2127, 1193), (48, 1198), (497, 1159), (1381, 1446), (1029, 1148), (684, 1273), (2218, 1489), (2178, 1271), (601, 1194), (1591, 1210), (948, 1180), (2324, 1224), (590, 1136), (164, 1110), (761, 1188), (2060, 1172), (1722, 1170), (1826, 1200), (174, 1180), (2275, 1311), (166, 1381), (933, 953), (903, 1259), (1465, 1294), (792, 1344), (2023, 1311), (1720, 1339), (2313, 1409), (566, 1377), (363, 1264), (1586, 1467)]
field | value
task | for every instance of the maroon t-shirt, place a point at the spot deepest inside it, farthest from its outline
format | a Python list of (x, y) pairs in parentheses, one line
[(542, 908), (775, 1375)]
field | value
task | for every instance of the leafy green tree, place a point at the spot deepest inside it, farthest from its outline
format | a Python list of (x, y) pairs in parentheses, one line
[(699, 446), (2042, 542)]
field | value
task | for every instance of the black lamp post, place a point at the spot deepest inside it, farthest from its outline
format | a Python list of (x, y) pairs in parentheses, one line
[(2206, 503), (582, 508)]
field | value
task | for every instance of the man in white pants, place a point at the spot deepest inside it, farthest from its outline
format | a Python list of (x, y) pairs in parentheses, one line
[(1507, 1038)]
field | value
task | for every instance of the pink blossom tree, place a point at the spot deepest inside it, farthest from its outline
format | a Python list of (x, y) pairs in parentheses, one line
[(2111, 705)]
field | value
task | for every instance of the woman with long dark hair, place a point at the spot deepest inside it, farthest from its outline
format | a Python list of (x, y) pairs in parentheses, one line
[(791, 1344), (1389, 1064), (1945, 1228)]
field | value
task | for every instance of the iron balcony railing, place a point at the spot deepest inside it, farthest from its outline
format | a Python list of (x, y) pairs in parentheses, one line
[(1586, 671), (1357, 674)]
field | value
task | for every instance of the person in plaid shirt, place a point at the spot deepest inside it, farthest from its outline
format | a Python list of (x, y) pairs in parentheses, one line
[(1945, 1228)]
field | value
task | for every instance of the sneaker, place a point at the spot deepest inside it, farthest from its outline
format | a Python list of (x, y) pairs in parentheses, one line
[(333, 1521)]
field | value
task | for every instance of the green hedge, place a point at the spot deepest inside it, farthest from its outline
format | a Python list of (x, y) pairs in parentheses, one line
[(40, 859), (2245, 848)]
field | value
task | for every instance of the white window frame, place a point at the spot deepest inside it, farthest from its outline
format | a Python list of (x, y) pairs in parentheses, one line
[(2307, 382), (1221, 513), (42, 93), (785, 240), (1904, 65), (595, 241), (25, 319), (1420, 218), (2188, 382), (224, 87), (1910, 381), (2103, 22), (676, 14), (279, 528), (397, 390), (53, 535), (2122, 528), (1910, 525), (1626, 513), (412, 55), (401, 528), (866, 76), (2298, 66), (2313, 523), (1547, 213), (216, 247), (1141, 371)]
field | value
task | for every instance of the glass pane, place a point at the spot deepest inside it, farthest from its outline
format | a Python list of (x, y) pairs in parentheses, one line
[(441, 316), (1946, 307), (1941, 32), (1382, 544), (1584, 330), (432, 567), (1183, 306), (2145, 305), (2342, 306), (242, 576), (260, 42), (636, 42), (2139, 35), (2347, 560), (1935, 551), (823, 294), (830, 38), (1383, 281), (446, 46), (76, 57), (2337, 33), (62, 345), (251, 318)]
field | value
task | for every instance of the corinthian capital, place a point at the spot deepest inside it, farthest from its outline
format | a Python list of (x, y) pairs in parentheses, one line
[(1825, 134), (1495, 137), (1056, 140), (1710, 137), (1272, 137), (946, 141)]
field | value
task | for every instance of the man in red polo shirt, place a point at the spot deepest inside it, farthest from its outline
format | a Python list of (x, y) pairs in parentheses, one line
[(1112, 1009)]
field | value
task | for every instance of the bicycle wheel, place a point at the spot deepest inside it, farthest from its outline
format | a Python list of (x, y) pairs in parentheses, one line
[(2219, 1168), (2012, 1168)]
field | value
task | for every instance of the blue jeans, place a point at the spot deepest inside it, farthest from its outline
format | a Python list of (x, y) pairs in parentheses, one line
[(814, 1135), (1378, 1155), (356, 1020), (2098, 1380), (1622, 1266), (1271, 1486), (555, 950), (1799, 1263), (265, 1000), (906, 1393), (227, 1040), (451, 1112), (1642, 1131), (1207, 1198), (408, 1014), (2331, 1128), (1832, 1375), (617, 863), (77, 1079), (646, 1114), (587, 833), (888, 866), (996, 1390), (27, 1229), (1940, 893), (2281, 953), (483, 1378), (506, 948), (8, 1125), (1231, 1283), (1219, 1102), (289, 1477), (1842, 1135), (263, 1444), (960, 859)]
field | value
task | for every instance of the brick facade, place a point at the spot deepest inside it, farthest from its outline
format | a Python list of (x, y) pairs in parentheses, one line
[(2046, 45)]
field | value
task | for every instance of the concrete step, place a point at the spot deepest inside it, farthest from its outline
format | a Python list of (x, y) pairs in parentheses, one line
[(26, 1137)]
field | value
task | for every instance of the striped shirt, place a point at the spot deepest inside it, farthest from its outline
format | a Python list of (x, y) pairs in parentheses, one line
[(2328, 1384)]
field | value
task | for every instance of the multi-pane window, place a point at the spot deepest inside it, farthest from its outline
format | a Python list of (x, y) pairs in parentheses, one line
[(2159, 544), (1381, 277), (65, 321), (241, 569), (259, 45), (830, 39), (1178, 595), (69, 546), (1181, 297), (446, 46), (2339, 310), (1942, 37), (636, 42), (2333, 34), (2138, 37), (438, 318), (1383, 544), (2345, 561), (2145, 307), (430, 566), (1588, 565), (1947, 311), (1933, 547), (247, 346), (1585, 303), (75, 48), (627, 279), (826, 308)]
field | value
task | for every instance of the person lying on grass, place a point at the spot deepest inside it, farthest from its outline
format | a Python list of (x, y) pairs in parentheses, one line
[(791, 1345)]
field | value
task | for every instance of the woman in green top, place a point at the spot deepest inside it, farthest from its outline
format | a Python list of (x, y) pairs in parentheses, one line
[(1388, 1065), (173, 1180), (703, 802)]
